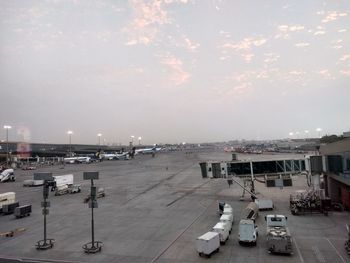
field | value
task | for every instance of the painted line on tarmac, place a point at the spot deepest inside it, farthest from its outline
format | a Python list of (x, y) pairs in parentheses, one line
[(298, 250), (336, 250), (162, 252)]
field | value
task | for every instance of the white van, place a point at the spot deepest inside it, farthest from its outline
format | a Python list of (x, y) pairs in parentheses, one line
[(224, 231), (248, 232)]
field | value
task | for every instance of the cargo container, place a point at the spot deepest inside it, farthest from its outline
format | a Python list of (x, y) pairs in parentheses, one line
[(227, 219), (7, 198), (208, 243), (9, 208), (223, 230), (22, 211), (264, 204)]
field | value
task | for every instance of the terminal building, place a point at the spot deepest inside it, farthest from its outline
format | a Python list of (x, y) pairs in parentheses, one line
[(336, 168)]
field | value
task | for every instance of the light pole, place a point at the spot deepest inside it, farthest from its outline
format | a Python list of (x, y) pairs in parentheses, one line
[(132, 140), (140, 140), (70, 142), (99, 138), (319, 132), (307, 133), (7, 127)]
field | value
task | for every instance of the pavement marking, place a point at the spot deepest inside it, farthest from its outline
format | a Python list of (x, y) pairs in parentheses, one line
[(298, 250), (318, 254), (162, 252), (336, 250)]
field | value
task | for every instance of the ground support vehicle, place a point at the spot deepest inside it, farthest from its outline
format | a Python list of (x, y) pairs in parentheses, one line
[(22, 211), (208, 244), (6, 199), (67, 189), (7, 175), (264, 204), (100, 193), (12, 232), (9, 208), (278, 237), (347, 243), (32, 182), (304, 202), (248, 232), (223, 230), (250, 212)]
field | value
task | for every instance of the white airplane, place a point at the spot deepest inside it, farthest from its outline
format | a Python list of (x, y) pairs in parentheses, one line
[(81, 159), (116, 156), (148, 150)]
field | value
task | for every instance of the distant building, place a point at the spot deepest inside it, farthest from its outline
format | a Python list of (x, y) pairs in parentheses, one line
[(336, 158)]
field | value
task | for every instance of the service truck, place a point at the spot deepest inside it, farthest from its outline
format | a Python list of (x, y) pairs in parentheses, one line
[(278, 236), (247, 232), (7, 198), (223, 229), (61, 180), (208, 244), (7, 175)]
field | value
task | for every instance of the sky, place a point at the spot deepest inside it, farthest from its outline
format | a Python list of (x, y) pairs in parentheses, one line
[(172, 71)]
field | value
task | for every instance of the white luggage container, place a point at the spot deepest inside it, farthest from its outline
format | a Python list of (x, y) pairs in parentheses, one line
[(224, 231), (227, 219), (7, 198), (264, 204), (228, 211), (208, 243)]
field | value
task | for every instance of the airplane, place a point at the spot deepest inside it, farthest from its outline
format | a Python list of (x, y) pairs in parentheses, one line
[(116, 156), (77, 159), (148, 150)]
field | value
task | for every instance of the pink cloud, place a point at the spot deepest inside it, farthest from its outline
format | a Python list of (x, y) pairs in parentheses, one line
[(177, 74), (148, 16), (332, 16), (345, 72)]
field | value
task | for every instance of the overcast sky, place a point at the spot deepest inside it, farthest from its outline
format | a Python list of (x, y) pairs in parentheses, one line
[(173, 70)]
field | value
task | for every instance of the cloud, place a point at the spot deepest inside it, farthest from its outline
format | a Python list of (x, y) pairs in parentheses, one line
[(332, 16), (177, 74), (317, 33), (148, 17), (302, 45), (189, 45), (341, 30), (244, 47), (271, 57), (285, 30), (345, 57), (345, 72), (324, 73)]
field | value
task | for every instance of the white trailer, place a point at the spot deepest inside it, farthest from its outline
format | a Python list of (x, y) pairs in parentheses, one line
[(31, 182), (248, 232), (7, 198), (227, 219), (223, 230), (62, 180), (208, 243), (264, 204), (7, 175), (278, 236)]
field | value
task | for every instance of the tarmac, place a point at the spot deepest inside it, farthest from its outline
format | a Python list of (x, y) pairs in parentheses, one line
[(154, 210)]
